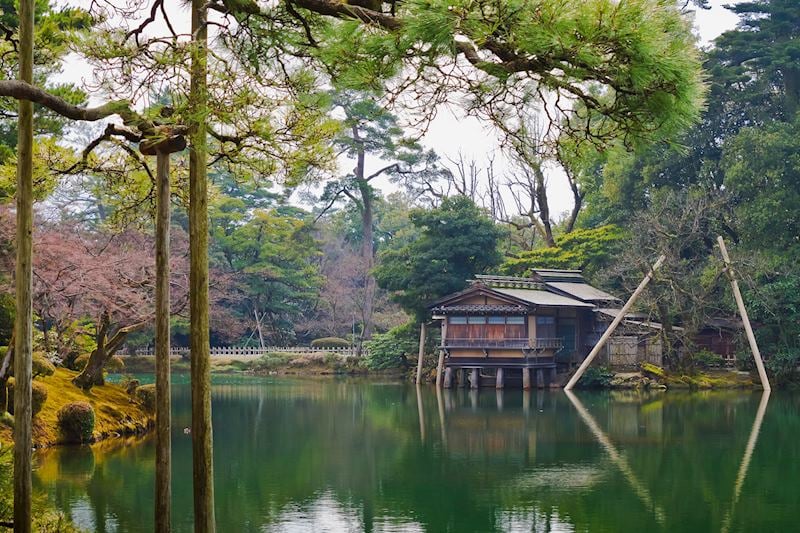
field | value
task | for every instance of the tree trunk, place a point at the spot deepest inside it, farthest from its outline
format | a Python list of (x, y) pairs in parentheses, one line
[(544, 206), (202, 453), (163, 500), (23, 348), (368, 259), (367, 244), (92, 373), (577, 197)]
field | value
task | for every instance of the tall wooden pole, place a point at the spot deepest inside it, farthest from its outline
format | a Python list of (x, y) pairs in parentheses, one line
[(23, 348), (751, 338), (421, 352), (202, 452), (163, 500), (622, 312)]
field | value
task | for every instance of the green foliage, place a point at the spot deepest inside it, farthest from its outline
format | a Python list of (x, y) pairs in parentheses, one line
[(330, 342), (596, 377), (76, 422), (146, 395), (42, 366), (6, 316), (707, 359), (584, 249), (270, 361), (782, 367), (454, 242), (393, 348)]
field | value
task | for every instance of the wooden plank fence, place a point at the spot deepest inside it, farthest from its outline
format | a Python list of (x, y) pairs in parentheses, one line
[(256, 352)]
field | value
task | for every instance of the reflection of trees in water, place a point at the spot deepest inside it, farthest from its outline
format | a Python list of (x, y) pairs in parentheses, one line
[(288, 450)]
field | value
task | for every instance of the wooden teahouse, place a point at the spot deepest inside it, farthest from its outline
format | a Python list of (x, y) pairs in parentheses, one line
[(509, 328)]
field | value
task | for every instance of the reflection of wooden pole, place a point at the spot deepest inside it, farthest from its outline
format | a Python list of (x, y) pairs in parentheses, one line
[(421, 352), (617, 319), (440, 405), (751, 338), (748, 454), (617, 458), (421, 414), (163, 494)]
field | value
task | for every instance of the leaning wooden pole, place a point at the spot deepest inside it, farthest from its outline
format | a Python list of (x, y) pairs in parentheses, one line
[(617, 320), (202, 452), (737, 294), (23, 347), (421, 352), (163, 500)]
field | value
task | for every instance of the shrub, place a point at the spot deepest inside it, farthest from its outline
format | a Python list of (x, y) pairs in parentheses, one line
[(38, 397), (146, 394), (390, 349), (42, 366), (79, 363), (596, 377), (131, 385), (76, 422), (782, 366), (330, 342), (115, 364), (270, 361), (707, 359)]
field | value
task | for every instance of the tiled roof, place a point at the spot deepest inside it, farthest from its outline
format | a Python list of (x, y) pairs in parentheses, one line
[(479, 308), (545, 298), (583, 291)]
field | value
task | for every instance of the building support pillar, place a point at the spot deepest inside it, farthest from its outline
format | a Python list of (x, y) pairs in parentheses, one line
[(540, 378), (526, 379), (499, 382), (475, 379), (448, 377)]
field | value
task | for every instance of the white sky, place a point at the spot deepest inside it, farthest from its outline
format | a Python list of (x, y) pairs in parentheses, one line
[(451, 131)]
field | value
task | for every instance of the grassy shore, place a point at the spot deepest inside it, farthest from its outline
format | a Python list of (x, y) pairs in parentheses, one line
[(116, 413)]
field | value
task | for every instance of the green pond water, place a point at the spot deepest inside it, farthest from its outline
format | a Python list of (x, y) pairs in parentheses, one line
[(350, 456)]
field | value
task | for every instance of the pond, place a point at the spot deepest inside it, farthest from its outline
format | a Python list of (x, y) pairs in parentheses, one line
[(349, 455)]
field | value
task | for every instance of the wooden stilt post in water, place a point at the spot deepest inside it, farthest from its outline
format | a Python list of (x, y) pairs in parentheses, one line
[(23, 349), (475, 379), (448, 378), (526, 379), (163, 499), (751, 338), (614, 323), (421, 351), (499, 382), (440, 363)]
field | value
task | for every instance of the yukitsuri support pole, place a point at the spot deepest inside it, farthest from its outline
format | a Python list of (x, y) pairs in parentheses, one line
[(751, 338), (617, 319), (163, 503), (421, 351), (202, 439), (23, 349)]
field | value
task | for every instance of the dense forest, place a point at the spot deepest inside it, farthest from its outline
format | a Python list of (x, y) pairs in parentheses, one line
[(305, 245)]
